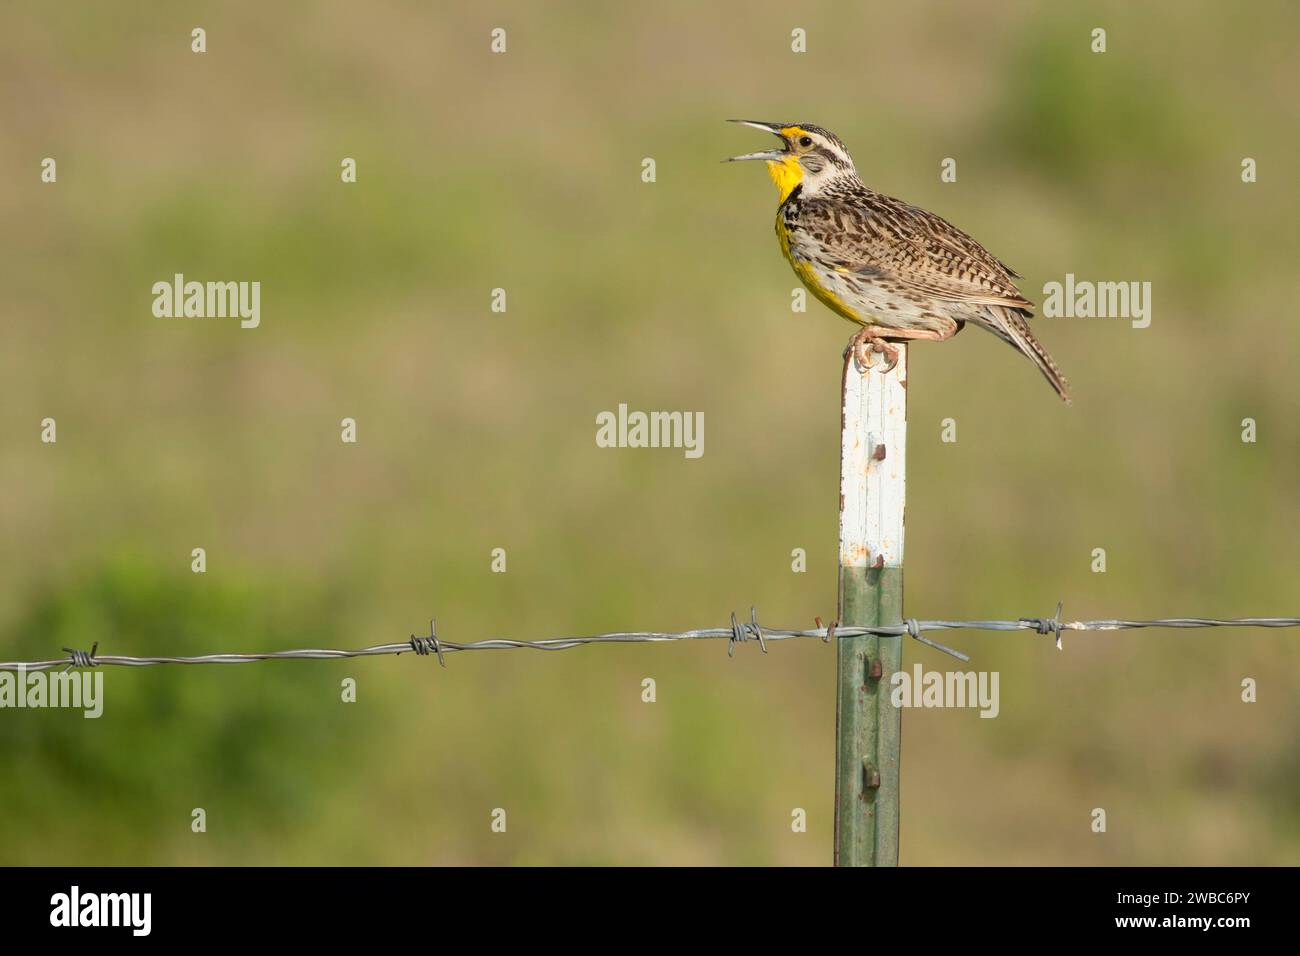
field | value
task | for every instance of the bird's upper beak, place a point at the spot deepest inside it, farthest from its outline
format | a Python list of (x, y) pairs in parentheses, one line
[(768, 154)]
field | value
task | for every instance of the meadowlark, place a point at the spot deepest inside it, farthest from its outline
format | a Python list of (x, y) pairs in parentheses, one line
[(897, 270)]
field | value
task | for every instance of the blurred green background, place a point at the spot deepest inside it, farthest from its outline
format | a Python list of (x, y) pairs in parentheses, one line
[(476, 429)]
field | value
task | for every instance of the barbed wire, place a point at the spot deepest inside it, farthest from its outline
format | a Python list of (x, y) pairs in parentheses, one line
[(737, 633)]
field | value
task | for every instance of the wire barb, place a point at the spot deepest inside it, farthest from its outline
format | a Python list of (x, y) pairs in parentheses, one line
[(422, 645), (81, 658), (830, 631), (744, 632), (1048, 625)]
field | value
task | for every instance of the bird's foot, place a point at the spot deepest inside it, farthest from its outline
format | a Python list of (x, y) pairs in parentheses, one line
[(865, 342)]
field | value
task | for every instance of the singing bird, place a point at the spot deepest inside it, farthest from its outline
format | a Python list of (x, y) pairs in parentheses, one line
[(897, 270)]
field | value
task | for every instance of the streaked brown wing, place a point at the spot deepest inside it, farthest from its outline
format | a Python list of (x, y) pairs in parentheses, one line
[(911, 248)]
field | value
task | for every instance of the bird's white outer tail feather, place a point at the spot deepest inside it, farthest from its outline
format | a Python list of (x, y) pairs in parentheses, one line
[(1009, 325)]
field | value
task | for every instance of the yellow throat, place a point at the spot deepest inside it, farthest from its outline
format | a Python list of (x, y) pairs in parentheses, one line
[(786, 173)]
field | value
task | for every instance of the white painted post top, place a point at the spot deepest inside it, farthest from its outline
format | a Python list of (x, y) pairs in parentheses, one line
[(873, 463)]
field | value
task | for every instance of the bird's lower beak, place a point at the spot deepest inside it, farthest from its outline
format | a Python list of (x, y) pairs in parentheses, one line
[(768, 154), (771, 154)]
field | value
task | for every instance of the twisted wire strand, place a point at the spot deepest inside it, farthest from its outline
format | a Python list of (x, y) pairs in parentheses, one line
[(737, 632)]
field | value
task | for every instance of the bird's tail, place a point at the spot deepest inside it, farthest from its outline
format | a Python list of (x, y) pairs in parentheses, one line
[(1009, 325)]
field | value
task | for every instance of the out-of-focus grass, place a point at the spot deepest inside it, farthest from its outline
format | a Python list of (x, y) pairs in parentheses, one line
[(247, 751), (476, 429)]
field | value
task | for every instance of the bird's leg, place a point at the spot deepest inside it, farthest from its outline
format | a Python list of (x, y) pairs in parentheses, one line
[(874, 338), (867, 340), (929, 335)]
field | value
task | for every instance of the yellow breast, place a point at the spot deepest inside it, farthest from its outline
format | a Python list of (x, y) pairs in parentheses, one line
[(807, 274)]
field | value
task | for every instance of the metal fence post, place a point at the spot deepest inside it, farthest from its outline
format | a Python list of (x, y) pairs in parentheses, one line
[(867, 727)]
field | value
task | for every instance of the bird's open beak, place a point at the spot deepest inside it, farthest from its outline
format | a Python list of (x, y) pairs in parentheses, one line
[(768, 154)]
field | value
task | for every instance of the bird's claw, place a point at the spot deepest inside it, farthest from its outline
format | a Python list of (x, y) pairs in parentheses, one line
[(889, 351), (863, 344)]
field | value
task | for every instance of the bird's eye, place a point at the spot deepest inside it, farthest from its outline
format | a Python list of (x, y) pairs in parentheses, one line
[(805, 141)]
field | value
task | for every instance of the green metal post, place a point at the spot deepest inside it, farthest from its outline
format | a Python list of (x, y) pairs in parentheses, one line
[(868, 727)]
